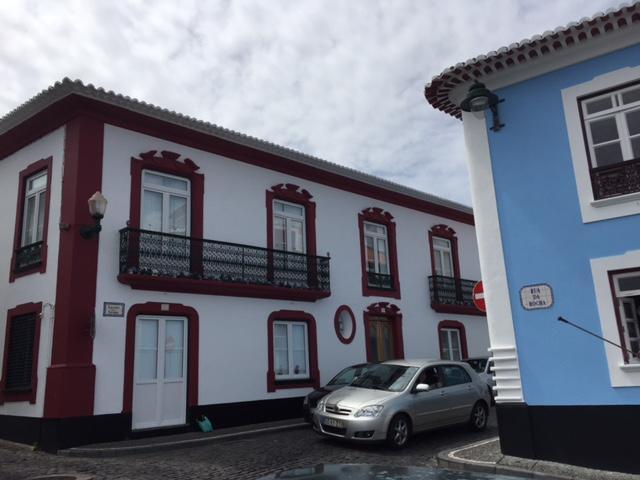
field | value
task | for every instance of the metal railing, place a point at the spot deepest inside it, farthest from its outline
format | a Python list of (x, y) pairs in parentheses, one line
[(617, 179), (451, 291), (144, 252), (27, 257), (379, 281)]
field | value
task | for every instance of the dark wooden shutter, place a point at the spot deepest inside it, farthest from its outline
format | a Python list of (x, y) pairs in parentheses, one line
[(20, 357)]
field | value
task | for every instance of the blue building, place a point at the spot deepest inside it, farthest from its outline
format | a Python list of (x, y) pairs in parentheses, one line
[(553, 139)]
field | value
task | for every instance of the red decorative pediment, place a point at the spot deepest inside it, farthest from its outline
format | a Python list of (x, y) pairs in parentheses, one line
[(375, 214), (443, 231), (289, 191), (383, 309), (166, 160)]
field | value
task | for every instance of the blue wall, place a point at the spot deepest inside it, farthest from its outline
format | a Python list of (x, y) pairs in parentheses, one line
[(545, 241)]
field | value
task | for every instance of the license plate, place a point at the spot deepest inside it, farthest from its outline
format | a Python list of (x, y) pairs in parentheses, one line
[(332, 422)]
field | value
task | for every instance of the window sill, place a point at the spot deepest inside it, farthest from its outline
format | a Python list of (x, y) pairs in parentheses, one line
[(630, 367), (288, 384), (604, 202), (17, 396), (214, 287)]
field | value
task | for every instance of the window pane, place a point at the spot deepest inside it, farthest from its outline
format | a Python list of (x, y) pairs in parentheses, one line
[(635, 146), (40, 226), (294, 210), (279, 233), (371, 262), (281, 349), (173, 345), (633, 122), (147, 349), (296, 243), (604, 130), (378, 229), (631, 329), (441, 243), (383, 266), (629, 283), (177, 215), (608, 154), (298, 334), (631, 96), (152, 211), (162, 181), (447, 264), (599, 105), (444, 342), (37, 183), (455, 339), (28, 235)]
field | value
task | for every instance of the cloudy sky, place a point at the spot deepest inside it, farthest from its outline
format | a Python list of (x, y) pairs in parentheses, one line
[(341, 80)]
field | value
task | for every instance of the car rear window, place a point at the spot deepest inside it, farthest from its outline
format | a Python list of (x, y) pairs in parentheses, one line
[(478, 364), (346, 376)]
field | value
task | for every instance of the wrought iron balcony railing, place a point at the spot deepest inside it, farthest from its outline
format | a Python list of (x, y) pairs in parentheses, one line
[(451, 292), (28, 257), (155, 254), (617, 179), (379, 281)]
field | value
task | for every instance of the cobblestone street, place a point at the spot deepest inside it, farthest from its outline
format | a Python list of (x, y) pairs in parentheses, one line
[(247, 458)]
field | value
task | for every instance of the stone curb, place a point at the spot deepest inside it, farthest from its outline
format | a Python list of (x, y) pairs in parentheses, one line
[(170, 445), (447, 459)]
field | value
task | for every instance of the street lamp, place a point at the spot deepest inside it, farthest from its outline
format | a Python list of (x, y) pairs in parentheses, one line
[(480, 98), (97, 208)]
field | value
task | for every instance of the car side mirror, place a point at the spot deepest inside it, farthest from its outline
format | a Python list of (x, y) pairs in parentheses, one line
[(422, 387)]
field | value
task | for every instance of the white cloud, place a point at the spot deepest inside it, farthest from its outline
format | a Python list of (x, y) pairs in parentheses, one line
[(339, 80)]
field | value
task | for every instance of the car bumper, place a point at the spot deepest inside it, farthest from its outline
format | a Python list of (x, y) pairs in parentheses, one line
[(363, 429)]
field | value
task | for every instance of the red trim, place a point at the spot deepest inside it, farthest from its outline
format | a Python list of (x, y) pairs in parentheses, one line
[(28, 396), (294, 194), (314, 373), (168, 162), (32, 169), (62, 110), (377, 215), (336, 324), (71, 368), (463, 336), (447, 233), (616, 300), (215, 287), (391, 312), (165, 310)]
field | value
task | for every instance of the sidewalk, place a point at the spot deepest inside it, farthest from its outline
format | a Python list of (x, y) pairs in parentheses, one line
[(181, 440), (486, 457)]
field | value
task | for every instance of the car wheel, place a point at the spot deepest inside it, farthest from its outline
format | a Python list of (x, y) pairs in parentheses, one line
[(399, 431), (479, 416)]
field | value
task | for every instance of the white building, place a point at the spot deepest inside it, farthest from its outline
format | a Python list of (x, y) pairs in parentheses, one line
[(145, 324)]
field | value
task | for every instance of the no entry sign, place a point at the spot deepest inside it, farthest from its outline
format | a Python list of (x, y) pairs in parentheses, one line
[(478, 297)]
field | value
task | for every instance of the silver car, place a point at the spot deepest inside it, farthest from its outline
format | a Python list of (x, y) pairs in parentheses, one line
[(392, 400)]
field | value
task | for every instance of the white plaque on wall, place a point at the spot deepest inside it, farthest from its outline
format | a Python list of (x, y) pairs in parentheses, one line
[(533, 297)]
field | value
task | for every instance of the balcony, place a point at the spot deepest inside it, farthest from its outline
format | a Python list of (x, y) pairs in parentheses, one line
[(164, 262), (379, 281), (452, 295), (28, 257), (615, 180)]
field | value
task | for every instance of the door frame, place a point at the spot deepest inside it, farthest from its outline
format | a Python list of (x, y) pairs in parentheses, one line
[(162, 310), (392, 313)]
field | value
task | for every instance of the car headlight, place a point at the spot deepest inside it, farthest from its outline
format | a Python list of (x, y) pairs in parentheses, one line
[(370, 411), (320, 405)]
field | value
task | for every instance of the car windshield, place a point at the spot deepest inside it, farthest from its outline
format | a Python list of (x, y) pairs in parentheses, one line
[(392, 378), (346, 376), (478, 364)]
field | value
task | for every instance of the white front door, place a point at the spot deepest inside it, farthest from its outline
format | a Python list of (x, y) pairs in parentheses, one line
[(160, 372)]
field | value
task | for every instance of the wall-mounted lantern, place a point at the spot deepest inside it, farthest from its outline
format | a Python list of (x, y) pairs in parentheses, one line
[(97, 208), (480, 98)]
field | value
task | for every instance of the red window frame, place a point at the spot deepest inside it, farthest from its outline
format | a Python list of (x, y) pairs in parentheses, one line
[(448, 233), (336, 324), (381, 217), (453, 324), (168, 162), (391, 312), (30, 395), (314, 373), (293, 193), (32, 169)]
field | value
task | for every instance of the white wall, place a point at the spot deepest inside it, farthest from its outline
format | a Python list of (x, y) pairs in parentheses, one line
[(35, 287), (233, 331)]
